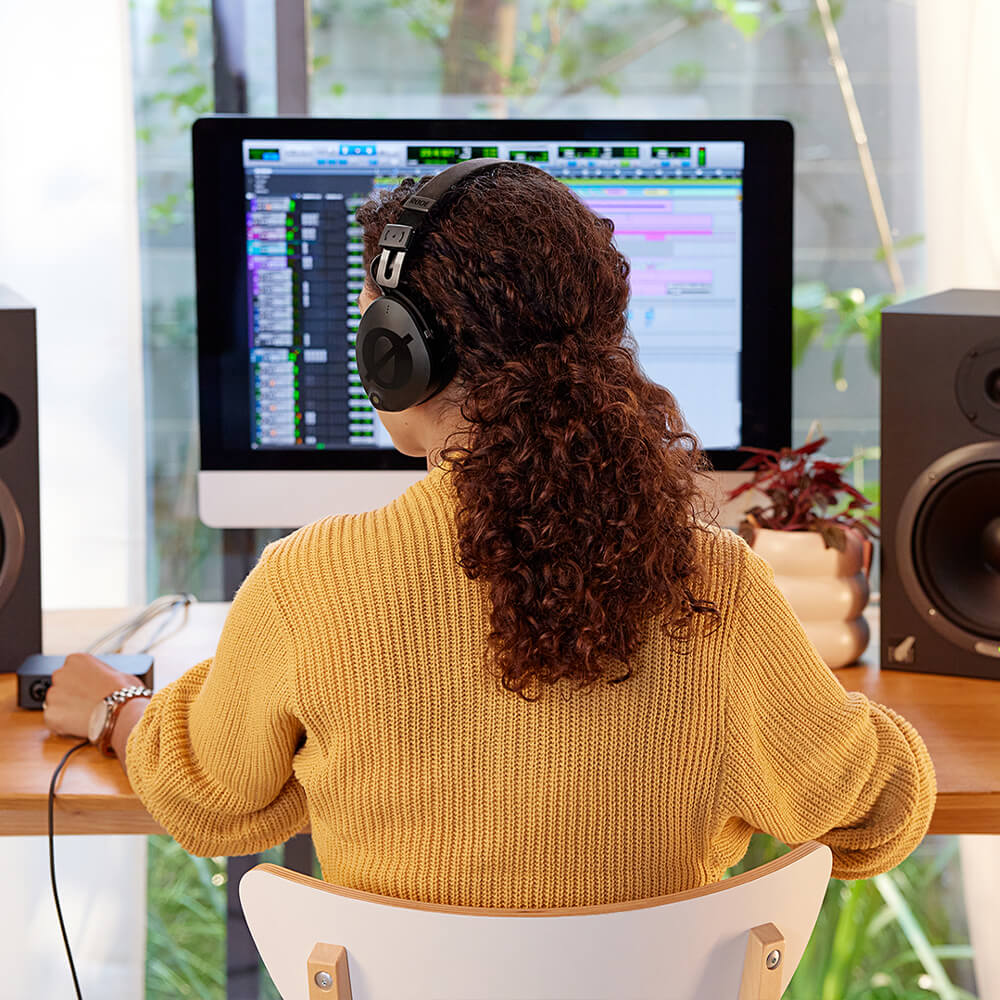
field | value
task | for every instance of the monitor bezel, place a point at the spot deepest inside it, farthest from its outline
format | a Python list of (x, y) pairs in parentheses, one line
[(219, 203)]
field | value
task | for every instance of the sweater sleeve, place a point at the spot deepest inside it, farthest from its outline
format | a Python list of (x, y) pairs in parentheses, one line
[(807, 760), (211, 757)]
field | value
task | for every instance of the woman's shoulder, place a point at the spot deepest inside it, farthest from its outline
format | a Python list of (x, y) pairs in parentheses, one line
[(722, 546), (356, 538), (725, 557)]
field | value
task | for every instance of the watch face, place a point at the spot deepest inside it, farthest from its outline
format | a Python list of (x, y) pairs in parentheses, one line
[(97, 719)]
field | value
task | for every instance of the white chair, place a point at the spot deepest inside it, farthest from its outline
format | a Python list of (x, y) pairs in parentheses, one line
[(740, 939)]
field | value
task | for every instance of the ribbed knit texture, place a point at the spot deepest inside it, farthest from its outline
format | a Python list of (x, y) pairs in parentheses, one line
[(349, 690)]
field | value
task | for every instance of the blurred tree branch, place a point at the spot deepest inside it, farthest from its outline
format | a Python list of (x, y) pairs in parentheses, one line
[(485, 51), (477, 25)]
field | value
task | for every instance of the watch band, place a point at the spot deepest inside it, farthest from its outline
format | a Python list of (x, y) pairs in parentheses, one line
[(115, 701)]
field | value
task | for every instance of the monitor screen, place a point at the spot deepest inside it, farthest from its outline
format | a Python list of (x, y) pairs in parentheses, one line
[(676, 209), (701, 209)]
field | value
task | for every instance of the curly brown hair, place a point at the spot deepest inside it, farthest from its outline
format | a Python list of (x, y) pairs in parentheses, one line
[(577, 490)]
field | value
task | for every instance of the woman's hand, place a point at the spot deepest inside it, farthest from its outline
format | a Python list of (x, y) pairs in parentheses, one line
[(77, 686)]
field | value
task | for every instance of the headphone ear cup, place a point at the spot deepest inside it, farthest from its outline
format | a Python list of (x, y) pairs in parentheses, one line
[(393, 359)]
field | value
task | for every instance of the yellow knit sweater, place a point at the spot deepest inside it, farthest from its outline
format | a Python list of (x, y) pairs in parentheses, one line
[(348, 690)]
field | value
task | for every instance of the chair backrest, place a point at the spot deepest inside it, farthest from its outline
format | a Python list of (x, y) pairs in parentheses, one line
[(718, 942)]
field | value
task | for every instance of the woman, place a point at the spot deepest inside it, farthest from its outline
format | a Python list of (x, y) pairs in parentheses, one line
[(539, 677)]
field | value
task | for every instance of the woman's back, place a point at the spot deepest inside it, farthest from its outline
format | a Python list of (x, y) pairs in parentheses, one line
[(350, 689)]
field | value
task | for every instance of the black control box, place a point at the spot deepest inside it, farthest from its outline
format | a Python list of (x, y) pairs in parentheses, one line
[(35, 675)]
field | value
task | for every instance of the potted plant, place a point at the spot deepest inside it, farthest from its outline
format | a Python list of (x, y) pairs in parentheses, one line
[(821, 556)]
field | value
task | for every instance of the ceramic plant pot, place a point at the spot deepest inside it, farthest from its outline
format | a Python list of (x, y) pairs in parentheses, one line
[(825, 588)]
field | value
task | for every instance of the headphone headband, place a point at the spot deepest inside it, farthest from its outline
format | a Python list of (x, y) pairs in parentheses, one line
[(401, 359), (397, 237)]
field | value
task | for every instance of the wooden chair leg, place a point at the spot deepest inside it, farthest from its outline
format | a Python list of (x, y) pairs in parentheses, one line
[(762, 965), (329, 978)]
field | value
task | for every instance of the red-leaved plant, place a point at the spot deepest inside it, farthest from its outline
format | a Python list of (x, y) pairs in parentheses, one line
[(801, 488)]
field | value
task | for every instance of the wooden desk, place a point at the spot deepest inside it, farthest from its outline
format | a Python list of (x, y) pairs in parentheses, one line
[(958, 717), (93, 794)]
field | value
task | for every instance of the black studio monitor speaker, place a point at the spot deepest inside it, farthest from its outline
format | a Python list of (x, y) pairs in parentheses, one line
[(940, 471), (20, 559)]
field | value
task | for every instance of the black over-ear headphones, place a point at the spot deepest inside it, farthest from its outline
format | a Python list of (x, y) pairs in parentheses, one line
[(402, 359)]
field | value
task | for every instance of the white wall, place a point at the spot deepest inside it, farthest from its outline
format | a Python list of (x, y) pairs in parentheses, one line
[(959, 81), (69, 244)]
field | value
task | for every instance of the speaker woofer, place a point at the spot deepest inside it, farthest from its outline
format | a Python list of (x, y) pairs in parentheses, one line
[(11, 543), (948, 544), (955, 548)]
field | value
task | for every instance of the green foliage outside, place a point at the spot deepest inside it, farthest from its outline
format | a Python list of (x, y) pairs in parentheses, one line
[(178, 50), (186, 924), (873, 938)]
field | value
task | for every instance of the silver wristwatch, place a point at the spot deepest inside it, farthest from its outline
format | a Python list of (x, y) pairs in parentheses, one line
[(105, 714)]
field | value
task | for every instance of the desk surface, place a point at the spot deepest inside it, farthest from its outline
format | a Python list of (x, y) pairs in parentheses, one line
[(93, 794), (958, 718)]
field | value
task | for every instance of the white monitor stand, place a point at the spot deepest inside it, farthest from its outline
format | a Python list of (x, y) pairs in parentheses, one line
[(290, 499)]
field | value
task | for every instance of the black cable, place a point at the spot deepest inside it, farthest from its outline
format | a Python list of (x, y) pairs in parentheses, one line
[(52, 861), (181, 602)]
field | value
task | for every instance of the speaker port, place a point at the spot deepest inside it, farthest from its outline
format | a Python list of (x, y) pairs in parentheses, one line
[(10, 419)]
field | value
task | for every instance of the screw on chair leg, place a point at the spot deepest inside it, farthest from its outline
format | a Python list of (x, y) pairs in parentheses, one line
[(329, 978), (762, 966)]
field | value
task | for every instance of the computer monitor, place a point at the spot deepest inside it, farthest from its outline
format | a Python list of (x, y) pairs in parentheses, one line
[(702, 209)]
